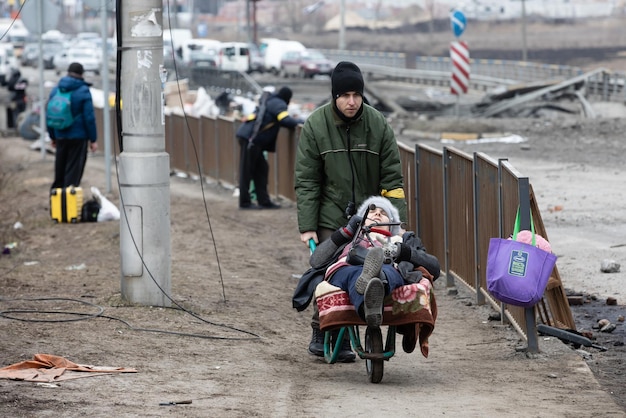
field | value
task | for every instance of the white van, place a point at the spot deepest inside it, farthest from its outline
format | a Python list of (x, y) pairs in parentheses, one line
[(274, 51), (239, 56), (14, 32), (174, 38)]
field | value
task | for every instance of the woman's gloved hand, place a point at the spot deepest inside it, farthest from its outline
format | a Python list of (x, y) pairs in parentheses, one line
[(345, 234), (353, 226)]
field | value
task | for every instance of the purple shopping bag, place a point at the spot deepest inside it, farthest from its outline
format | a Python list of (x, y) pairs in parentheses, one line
[(517, 273)]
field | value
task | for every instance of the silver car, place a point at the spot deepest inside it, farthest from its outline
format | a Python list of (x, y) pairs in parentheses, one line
[(90, 58)]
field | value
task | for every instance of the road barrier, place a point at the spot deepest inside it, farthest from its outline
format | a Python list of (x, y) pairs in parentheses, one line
[(444, 190)]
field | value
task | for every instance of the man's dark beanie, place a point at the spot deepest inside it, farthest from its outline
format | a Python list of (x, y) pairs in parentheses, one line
[(76, 68), (346, 77), (285, 94)]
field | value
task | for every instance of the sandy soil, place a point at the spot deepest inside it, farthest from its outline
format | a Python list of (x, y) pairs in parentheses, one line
[(243, 350)]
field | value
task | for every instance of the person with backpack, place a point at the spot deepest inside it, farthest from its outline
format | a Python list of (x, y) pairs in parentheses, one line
[(71, 124), (257, 135)]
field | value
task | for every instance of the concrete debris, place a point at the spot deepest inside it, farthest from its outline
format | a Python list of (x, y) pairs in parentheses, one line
[(608, 328), (609, 266)]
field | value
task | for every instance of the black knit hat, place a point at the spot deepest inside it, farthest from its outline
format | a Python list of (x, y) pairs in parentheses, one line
[(346, 77), (76, 68), (285, 94)]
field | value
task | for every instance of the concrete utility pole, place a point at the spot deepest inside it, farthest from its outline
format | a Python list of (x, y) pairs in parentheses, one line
[(144, 167), (106, 108)]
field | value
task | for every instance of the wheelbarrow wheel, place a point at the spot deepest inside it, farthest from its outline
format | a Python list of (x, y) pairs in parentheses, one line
[(374, 345)]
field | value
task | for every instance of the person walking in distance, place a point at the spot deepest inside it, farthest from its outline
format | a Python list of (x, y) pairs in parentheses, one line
[(347, 152), (256, 135), (71, 125), (17, 86)]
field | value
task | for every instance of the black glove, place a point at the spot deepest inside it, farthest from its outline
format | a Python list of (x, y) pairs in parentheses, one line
[(419, 257), (416, 256), (353, 225), (345, 234)]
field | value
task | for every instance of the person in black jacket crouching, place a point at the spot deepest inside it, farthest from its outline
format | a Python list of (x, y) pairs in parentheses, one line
[(256, 135)]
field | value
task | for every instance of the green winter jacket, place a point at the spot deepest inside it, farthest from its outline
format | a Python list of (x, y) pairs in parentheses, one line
[(324, 181)]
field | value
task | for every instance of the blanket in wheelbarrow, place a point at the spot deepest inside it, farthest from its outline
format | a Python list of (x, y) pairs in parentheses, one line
[(411, 308)]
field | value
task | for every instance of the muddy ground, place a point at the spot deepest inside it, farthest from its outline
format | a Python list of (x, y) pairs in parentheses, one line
[(238, 348), (232, 344)]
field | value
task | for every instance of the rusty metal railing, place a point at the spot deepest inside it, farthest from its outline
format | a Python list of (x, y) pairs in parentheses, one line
[(456, 202)]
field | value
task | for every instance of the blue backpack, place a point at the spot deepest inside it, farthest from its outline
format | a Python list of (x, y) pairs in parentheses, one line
[(59, 110)]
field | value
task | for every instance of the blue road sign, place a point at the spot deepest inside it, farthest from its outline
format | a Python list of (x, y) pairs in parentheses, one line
[(458, 22)]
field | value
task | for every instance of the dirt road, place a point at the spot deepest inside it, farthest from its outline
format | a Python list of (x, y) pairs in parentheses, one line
[(247, 355)]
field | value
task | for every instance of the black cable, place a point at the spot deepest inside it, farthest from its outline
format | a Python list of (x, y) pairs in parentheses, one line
[(120, 134), (17, 15), (195, 153), (8, 314), (11, 269), (118, 71)]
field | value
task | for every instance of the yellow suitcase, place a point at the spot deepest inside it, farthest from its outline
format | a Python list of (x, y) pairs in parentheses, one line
[(66, 204)]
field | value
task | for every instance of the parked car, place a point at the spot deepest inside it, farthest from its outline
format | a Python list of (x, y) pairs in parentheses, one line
[(50, 49), (305, 64), (91, 59), (202, 59), (30, 55), (273, 51)]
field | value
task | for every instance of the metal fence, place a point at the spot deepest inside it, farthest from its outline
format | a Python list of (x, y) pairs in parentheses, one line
[(456, 202), (463, 201)]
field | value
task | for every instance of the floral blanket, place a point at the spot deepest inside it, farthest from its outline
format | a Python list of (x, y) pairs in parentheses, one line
[(411, 308)]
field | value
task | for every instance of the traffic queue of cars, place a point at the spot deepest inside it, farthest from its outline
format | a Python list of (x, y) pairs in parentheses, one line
[(276, 56), (60, 50), (285, 57), (180, 48)]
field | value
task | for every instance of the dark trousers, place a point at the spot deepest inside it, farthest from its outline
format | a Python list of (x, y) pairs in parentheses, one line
[(252, 167), (69, 163), (13, 110)]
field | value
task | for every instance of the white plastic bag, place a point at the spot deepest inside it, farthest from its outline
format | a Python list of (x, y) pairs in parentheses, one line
[(108, 211)]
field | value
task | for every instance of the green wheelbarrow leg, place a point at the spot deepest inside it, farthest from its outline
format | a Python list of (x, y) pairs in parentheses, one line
[(332, 353)]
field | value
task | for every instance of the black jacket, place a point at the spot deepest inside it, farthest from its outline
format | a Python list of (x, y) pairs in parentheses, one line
[(275, 116), (17, 86)]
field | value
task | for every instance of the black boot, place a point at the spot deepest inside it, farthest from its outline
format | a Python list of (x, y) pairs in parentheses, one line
[(346, 355), (316, 346)]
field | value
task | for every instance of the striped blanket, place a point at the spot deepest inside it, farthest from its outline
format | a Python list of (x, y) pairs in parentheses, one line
[(411, 308)]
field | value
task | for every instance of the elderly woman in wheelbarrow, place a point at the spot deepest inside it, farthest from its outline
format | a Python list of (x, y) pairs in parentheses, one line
[(379, 259)]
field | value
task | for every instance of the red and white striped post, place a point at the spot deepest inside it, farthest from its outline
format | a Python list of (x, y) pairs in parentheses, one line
[(459, 55)]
